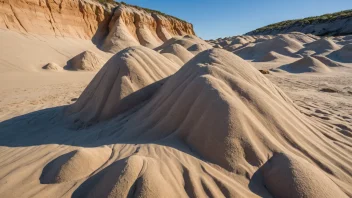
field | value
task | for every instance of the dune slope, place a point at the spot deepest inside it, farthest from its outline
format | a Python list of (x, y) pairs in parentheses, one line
[(208, 131)]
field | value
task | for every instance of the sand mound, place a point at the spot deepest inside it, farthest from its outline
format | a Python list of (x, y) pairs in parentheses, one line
[(204, 133), (174, 58), (271, 56), (197, 48), (281, 44), (179, 51), (75, 165), (327, 61), (110, 92), (184, 47), (342, 55), (218, 46), (239, 40), (120, 39), (218, 103), (137, 172), (86, 61), (320, 46), (288, 176), (188, 42), (301, 37), (52, 67), (306, 64)]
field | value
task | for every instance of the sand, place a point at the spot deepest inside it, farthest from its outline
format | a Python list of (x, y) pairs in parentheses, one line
[(343, 54), (306, 64), (320, 46), (52, 67), (281, 44), (129, 78), (85, 61), (182, 120)]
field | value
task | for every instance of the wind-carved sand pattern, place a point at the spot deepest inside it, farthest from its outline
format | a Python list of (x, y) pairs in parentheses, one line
[(162, 113)]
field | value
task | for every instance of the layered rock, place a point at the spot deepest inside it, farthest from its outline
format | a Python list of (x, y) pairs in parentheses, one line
[(117, 26), (334, 24), (65, 18), (131, 26)]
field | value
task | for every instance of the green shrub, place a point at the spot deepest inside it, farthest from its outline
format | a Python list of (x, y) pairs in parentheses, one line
[(152, 11), (106, 1)]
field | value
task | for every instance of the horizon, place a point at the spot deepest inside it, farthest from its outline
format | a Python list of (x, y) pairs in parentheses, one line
[(227, 21)]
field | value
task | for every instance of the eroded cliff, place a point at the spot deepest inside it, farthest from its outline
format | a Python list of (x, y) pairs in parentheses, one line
[(110, 24), (131, 26), (334, 24)]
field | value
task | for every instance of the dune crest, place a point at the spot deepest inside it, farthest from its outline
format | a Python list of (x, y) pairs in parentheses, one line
[(205, 129), (306, 64), (86, 61), (320, 46), (75, 165), (342, 55), (218, 103), (116, 87), (288, 176), (52, 67), (281, 44)]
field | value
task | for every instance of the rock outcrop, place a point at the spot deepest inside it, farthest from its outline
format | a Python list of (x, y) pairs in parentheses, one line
[(131, 26), (116, 26), (65, 18)]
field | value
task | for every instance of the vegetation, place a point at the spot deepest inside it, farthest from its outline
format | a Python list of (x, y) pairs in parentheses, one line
[(306, 21), (140, 8), (153, 11), (106, 1)]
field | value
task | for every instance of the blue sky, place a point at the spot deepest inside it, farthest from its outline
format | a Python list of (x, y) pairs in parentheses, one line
[(219, 18)]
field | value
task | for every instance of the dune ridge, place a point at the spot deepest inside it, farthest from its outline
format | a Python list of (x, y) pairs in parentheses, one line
[(116, 87), (205, 129)]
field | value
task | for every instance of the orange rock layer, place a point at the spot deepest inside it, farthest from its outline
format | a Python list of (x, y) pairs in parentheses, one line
[(86, 19)]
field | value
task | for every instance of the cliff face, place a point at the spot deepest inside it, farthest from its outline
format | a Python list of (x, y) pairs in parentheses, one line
[(130, 26), (332, 28), (87, 19), (335, 24), (63, 18)]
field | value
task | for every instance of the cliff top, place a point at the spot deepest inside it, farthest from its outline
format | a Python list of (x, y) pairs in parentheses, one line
[(305, 21), (104, 2)]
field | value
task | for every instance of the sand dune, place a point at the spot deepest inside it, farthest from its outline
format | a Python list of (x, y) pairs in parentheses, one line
[(282, 44), (342, 55), (184, 48), (213, 129), (86, 61), (306, 64), (117, 86), (199, 47), (173, 58), (272, 56), (75, 165), (320, 46), (327, 61), (301, 178), (187, 42), (52, 67), (303, 38), (182, 53)]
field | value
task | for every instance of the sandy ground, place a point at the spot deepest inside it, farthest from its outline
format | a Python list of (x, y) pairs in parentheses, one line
[(31, 100)]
